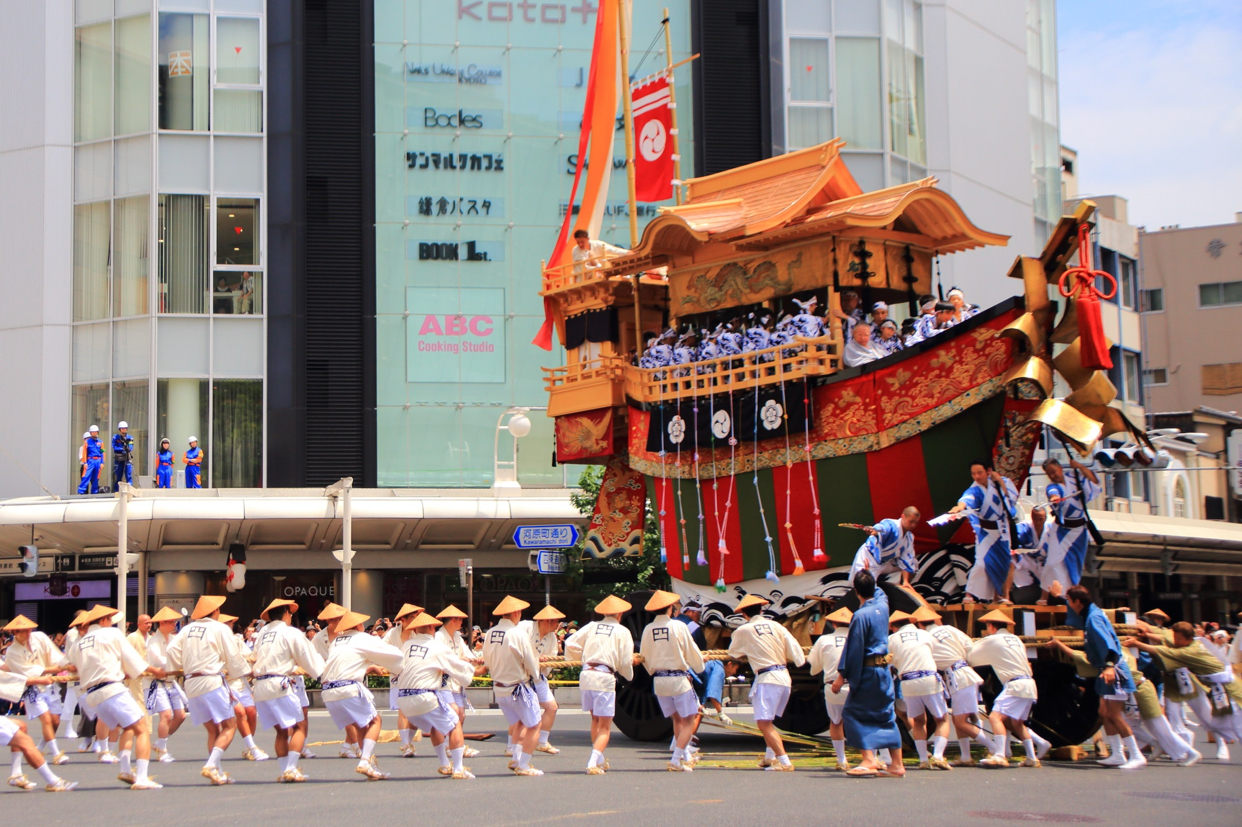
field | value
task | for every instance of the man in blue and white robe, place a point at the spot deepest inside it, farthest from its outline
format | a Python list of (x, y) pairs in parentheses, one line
[(1042, 564), (1069, 494), (889, 548), (991, 510), (806, 324)]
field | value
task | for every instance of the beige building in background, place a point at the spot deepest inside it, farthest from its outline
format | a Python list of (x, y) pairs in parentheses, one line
[(1192, 303)]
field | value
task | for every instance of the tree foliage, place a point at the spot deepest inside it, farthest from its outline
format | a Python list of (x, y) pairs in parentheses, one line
[(632, 573)]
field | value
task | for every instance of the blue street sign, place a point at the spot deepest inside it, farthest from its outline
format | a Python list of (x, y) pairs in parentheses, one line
[(545, 536), (553, 562)]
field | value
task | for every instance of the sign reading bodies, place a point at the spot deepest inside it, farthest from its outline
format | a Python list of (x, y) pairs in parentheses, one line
[(455, 335)]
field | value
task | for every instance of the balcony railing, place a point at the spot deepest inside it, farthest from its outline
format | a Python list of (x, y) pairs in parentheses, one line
[(603, 368), (795, 360)]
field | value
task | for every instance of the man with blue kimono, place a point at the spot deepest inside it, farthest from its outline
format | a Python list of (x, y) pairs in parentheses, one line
[(992, 501), (1115, 683), (889, 548), (870, 722), (1070, 498)]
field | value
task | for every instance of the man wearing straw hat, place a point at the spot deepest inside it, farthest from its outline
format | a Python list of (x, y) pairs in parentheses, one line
[(606, 649), (1006, 654), (243, 700), (911, 648), (770, 648), (204, 650), (70, 705), (32, 654), (165, 698), (450, 635), (353, 655), (94, 731), (870, 723), (331, 617), (543, 634), (824, 657), (13, 735), (104, 661), (279, 651), (394, 637), (426, 665), (672, 658), (951, 651), (510, 658)]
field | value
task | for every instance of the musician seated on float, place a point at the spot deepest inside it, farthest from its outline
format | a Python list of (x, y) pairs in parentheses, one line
[(850, 313), (887, 337), (860, 349), (962, 310)]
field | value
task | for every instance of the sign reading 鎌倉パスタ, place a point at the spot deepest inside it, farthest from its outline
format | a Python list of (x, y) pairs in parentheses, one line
[(455, 335)]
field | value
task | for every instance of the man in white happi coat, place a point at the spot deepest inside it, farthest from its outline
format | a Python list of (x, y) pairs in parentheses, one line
[(824, 657), (450, 635), (672, 658), (330, 616), (206, 652), (279, 651), (426, 667), (353, 655), (606, 649), (14, 736), (393, 637), (70, 705), (951, 651), (94, 731), (1006, 654), (911, 651), (104, 660), (512, 662), (543, 634), (33, 654), (770, 648), (244, 711), (164, 699)]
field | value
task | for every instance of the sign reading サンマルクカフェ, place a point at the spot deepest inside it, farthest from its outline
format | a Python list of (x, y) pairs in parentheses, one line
[(455, 335)]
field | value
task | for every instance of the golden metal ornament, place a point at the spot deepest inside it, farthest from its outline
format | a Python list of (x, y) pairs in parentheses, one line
[(1075, 426), (1033, 368), (1097, 390)]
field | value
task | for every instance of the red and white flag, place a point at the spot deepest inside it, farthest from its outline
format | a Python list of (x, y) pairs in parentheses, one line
[(653, 124)]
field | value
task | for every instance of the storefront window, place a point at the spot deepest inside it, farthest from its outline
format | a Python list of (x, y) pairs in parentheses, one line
[(92, 225), (237, 292), (183, 253), (184, 72), (132, 260), (133, 75), (93, 83), (236, 452), (237, 231)]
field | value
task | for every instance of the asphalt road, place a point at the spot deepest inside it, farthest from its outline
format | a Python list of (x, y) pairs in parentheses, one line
[(637, 791)]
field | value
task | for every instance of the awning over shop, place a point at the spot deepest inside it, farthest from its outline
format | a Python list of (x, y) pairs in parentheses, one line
[(1168, 545)]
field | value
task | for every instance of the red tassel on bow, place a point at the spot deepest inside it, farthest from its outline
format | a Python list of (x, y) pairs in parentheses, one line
[(1079, 283)]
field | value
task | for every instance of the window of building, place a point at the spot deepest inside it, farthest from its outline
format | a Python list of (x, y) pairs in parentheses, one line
[(237, 292), (93, 83), (131, 258), (1220, 294), (859, 116), (237, 231), (1156, 376), (183, 254), (238, 95), (181, 412), (1153, 300), (810, 92), (90, 406), (237, 433), (184, 73), (1179, 498), (129, 403), (903, 26), (1126, 284), (1221, 380), (92, 227), (1134, 369), (133, 75)]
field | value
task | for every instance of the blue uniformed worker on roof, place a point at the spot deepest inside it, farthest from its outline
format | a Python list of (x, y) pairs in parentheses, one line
[(122, 456), (193, 462), (164, 461), (94, 461)]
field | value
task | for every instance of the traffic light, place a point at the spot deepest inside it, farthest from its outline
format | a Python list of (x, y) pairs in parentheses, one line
[(1121, 459), (29, 565)]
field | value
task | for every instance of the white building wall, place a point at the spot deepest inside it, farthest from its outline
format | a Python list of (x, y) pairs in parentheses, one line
[(36, 241)]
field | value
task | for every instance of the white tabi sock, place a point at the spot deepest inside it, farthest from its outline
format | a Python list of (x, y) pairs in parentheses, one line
[(783, 759), (921, 746), (938, 745), (1133, 747), (17, 764), (53, 748), (114, 746), (984, 741), (161, 744), (672, 745), (543, 736), (213, 760), (998, 744), (963, 746), (517, 752), (1008, 742), (248, 740), (368, 749), (770, 754), (98, 746), (292, 761), (442, 752), (524, 761), (838, 747), (597, 758), (140, 768), (41, 745), (1040, 743), (46, 771), (509, 744), (457, 756), (126, 755), (678, 755), (406, 737), (1114, 743), (1029, 746)]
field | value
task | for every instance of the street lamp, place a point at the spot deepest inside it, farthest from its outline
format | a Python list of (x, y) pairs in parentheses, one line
[(504, 472)]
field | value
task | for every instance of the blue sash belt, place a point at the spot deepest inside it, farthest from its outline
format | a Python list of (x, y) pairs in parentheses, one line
[(776, 667)]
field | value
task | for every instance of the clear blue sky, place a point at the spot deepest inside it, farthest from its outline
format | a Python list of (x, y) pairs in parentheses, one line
[(1151, 97)]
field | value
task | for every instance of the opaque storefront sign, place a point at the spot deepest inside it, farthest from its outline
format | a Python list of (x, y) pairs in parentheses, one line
[(455, 335)]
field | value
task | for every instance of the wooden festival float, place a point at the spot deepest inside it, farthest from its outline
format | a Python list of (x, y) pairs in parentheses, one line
[(753, 461)]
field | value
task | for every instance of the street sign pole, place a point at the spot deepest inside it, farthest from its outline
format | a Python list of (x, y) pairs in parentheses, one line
[(547, 590)]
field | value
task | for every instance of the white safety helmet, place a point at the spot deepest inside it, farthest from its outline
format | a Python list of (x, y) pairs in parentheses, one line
[(162, 441), (86, 435), (122, 424), (94, 429), (192, 439)]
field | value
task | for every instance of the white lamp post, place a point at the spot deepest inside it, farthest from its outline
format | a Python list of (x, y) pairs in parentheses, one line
[(504, 472), (345, 554)]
